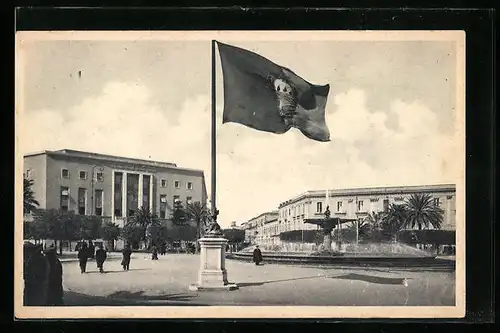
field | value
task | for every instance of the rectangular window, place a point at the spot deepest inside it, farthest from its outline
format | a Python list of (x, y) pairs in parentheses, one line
[(339, 206), (100, 176), (437, 202), (64, 198), (360, 205), (176, 198), (319, 207), (386, 205), (146, 183), (163, 183), (177, 184), (132, 193), (189, 186), (82, 200), (163, 205), (98, 202), (118, 194), (189, 200), (83, 174), (65, 173)]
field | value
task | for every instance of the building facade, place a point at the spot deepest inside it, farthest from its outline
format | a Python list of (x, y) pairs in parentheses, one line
[(110, 186), (345, 203), (256, 227)]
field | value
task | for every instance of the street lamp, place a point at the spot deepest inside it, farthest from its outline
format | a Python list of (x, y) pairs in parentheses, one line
[(92, 187)]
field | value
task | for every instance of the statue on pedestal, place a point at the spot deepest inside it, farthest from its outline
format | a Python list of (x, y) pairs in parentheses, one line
[(214, 229)]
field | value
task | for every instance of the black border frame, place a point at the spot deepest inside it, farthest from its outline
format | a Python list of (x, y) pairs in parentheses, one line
[(479, 25)]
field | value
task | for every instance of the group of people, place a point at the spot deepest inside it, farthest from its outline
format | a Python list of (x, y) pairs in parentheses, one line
[(42, 276), (85, 252)]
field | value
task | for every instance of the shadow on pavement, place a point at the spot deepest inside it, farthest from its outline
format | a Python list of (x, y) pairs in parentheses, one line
[(72, 298), (124, 294), (371, 279), (251, 284), (119, 271)]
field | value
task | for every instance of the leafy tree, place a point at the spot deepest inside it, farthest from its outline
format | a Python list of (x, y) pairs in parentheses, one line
[(234, 235), (158, 233), (179, 216), (57, 225), (29, 202), (132, 234), (110, 232), (422, 212), (89, 227), (199, 213)]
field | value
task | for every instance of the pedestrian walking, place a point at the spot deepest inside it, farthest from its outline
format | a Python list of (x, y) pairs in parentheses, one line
[(100, 258), (257, 255), (127, 253), (83, 256), (154, 253), (55, 276)]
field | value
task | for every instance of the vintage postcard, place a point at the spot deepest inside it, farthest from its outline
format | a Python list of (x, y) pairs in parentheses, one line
[(231, 174)]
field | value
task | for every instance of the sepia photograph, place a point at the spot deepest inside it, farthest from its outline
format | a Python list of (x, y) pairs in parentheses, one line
[(231, 174)]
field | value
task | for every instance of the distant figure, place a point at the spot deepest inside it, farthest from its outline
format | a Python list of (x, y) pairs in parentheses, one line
[(127, 253), (36, 273), (257, 255), (100, 258), (55, 285), (154, 253), (83, 256)]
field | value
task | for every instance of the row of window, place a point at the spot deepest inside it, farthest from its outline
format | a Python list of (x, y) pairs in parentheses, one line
[(98, 202), (359, 205), (100, 177)]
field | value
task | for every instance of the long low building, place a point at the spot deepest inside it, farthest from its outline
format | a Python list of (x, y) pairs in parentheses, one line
[(110, 186), (355, 203)]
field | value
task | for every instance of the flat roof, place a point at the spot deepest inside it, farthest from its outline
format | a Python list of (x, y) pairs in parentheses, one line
[(110, 158), (371, 191)]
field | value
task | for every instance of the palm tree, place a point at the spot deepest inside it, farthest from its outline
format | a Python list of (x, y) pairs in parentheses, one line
[(394, 220), (199, 213), (30, 204), (374, 220), (363, 226), (144, 219), (423, 212)]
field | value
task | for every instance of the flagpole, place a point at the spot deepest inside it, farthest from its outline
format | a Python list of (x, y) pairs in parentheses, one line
[(213, 142)]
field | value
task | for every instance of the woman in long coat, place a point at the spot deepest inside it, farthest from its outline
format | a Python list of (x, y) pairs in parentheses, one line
[(127, 253), (257, 255), (55, 282)]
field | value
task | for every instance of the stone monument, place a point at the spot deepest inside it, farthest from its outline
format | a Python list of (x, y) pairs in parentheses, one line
[(212, 273)]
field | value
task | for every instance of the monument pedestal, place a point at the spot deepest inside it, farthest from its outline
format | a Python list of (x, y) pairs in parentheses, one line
[(212, 274)]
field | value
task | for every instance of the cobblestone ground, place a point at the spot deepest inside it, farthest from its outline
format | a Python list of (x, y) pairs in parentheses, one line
[(166, 281)]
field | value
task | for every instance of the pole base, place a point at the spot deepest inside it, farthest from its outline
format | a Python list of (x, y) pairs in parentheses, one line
[(227, 287)]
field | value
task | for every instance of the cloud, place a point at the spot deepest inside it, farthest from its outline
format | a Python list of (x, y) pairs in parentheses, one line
[(255, 170)]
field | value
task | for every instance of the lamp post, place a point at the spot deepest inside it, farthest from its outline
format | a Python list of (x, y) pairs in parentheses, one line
[(92, 187)]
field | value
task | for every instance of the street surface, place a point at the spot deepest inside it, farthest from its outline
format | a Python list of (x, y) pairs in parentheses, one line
[(165, 282)]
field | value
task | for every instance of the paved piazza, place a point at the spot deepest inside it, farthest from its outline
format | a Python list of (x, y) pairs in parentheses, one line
[(166, 281)]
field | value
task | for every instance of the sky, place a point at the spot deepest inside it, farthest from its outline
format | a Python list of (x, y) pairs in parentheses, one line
[(391, 112)]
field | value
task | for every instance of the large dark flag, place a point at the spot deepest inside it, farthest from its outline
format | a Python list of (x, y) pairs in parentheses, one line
[(268, 97)]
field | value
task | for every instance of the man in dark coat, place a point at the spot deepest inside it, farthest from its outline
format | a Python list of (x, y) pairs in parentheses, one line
[(127, 253), (91, 250), (35, 274), (54, 283), (154, 253), (257, 255), (83, 256), (100, 258)]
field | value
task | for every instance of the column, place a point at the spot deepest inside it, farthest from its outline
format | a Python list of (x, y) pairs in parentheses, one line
[(151, 193), (124, 195), (139, 192)]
